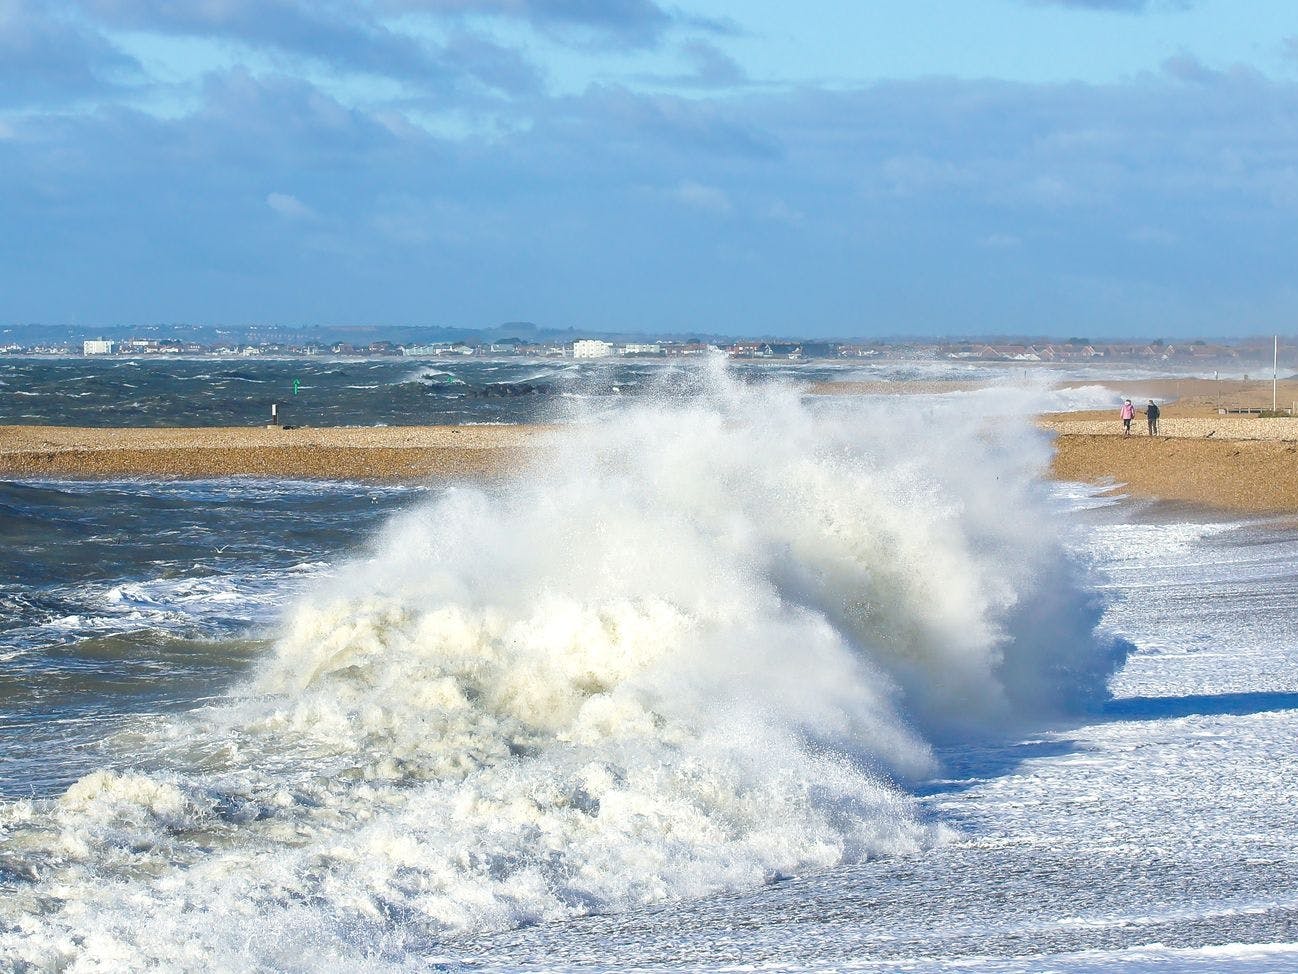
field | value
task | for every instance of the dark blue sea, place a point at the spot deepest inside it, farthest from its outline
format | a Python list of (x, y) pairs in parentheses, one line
[(163, 391)]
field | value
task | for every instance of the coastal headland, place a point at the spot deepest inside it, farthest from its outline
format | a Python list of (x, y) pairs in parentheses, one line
[(1233, 460)]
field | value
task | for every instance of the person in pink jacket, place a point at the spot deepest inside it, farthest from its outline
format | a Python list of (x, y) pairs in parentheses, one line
[(1128, 414)]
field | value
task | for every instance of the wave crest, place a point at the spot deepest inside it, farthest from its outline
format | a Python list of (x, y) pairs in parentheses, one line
[(690, 649)]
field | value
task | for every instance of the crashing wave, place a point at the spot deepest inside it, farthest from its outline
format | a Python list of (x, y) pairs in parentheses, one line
[(702, 642)]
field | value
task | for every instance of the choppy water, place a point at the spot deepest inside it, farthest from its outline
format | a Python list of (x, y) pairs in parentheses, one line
[(218, 392), (731, 679), (158, 391), (112, 391), (134, 597)]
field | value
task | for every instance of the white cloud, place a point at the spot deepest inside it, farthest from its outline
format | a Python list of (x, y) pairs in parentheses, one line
[(1048, 190), (782, 212), (701, 197), (290, 207), (910, 175), (1187, 67), (1000, 241)]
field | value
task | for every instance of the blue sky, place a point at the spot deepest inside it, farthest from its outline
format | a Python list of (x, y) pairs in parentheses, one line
[(1059, 167)]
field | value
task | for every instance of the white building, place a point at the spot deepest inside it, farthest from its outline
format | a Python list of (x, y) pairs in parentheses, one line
[(438, 351), (591, 348), (97, 347), (642, 348)]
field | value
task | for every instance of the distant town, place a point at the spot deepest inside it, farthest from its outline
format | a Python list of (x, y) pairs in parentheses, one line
[(1073, 350)]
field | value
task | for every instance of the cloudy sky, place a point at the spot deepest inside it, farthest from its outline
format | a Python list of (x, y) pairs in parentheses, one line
[(836, 167)]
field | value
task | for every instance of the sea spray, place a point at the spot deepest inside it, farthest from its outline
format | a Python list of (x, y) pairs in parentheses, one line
[(689, 649)]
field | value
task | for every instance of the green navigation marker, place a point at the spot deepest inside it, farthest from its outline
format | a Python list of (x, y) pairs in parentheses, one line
[(296, 383)]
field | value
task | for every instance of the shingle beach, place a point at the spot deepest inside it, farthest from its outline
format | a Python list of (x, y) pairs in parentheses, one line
[(384, 453), (1252, 473)]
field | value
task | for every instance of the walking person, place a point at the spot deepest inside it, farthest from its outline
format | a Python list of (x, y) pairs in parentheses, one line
[(1152, 414), (1128, 414)]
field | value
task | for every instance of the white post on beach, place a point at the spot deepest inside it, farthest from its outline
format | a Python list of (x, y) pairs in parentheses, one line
[(1275, 367), (274, 414)]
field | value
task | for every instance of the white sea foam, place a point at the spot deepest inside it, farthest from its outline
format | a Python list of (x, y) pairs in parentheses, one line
[(430, 376), (691, 650)]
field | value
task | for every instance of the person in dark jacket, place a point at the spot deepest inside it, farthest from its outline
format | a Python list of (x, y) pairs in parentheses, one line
[(1152, 414)]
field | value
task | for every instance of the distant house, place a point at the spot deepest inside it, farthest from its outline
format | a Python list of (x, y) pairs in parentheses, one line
[(97, 347), (1019, 353), (762, 350), (437, 350), (857, 351), (591, 348), (688, 348), (1012, 353)]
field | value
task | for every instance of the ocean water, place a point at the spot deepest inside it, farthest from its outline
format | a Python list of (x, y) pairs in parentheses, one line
[(135, 597), (731, 678), (112, 391), (165, 391)]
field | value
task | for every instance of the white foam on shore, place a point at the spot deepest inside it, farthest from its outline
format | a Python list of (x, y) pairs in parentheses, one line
[(690, 651)]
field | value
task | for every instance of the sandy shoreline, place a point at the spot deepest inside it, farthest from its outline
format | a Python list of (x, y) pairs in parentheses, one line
[(385, 453), (1229, 461), (1254, 475), (1234, 462)]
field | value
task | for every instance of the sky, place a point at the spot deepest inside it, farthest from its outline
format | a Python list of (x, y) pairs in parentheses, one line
[(836, 168)]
